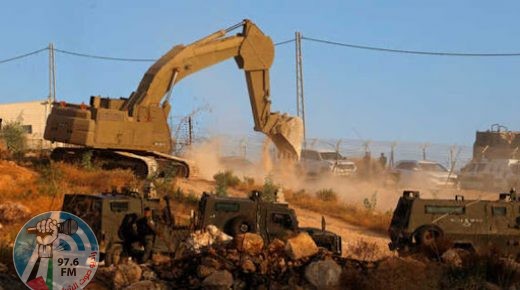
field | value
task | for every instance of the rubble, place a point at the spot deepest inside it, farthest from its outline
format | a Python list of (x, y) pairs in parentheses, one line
[(324, 274), (218, 280), (301, 246), (249, 243), (126, 274), (202, 239), (11, 212), (455, 257)]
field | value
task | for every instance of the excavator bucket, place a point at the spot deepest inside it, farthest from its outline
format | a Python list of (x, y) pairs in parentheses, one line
[(287, 135)]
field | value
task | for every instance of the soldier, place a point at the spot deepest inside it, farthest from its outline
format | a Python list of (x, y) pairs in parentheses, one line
[(147, 231), (512, 194), (382, 160)]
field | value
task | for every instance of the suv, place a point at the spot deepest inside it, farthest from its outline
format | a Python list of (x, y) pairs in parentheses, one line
[(315, 163), (423, 174), (474, 225), (492, 174)]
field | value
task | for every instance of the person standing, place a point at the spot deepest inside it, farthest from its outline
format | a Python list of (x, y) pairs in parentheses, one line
[(146, 229), (382, 160)]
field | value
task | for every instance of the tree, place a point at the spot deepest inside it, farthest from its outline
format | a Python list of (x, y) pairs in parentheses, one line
[(14, 136)]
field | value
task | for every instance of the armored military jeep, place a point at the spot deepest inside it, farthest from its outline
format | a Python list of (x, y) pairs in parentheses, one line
[(272, 220), (112, 217), (474, 225)]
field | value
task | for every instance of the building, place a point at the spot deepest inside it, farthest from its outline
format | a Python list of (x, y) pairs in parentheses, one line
[(33, 116)]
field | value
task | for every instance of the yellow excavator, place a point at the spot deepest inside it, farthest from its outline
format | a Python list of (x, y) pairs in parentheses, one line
[(133, 132)]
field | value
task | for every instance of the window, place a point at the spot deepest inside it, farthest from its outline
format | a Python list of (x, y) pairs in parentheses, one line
[(499, 211), (406, 165), (281, 219), (331, 156), (118, 206), (444, 209), (227, 206), (434, 167), (27, 129)]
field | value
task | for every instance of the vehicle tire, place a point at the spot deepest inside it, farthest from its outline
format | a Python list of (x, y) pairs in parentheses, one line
[(113, 255), (429, 237), (240, 226)]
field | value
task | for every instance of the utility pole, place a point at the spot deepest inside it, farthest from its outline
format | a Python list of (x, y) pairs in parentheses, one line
[(52, 75), (300, 101), (190, 131)]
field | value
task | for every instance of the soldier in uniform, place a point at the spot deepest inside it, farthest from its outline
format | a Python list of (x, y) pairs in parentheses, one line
[(146, 229)]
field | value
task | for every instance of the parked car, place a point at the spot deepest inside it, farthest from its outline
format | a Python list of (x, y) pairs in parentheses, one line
[(319, 163), (494, 174), (423, 174)]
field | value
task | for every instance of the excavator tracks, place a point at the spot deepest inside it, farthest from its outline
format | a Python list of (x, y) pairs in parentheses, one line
[(142, 164)]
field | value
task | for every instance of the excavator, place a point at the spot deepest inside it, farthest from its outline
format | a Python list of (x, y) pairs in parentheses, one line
[(133, 132)]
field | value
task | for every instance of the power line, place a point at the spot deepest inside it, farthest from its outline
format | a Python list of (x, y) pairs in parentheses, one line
[(284, 42), (104, 57), (405, 51), (23, 55)]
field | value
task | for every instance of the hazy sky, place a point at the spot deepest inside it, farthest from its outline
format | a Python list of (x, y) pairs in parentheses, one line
[(381, 96)]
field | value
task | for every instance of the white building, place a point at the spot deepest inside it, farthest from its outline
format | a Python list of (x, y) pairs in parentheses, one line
[(33, 116)]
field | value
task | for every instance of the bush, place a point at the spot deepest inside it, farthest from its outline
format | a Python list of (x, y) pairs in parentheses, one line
[(14, 135), (223, 181), (327, 195), (269, 190), (370, 204)]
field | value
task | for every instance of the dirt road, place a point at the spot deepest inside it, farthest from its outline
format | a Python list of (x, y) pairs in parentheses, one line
[(358, 242)]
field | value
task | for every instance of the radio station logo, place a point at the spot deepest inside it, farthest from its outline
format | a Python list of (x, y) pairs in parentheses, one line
[(56, 250)]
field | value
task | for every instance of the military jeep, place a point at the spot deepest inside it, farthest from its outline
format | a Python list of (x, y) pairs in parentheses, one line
[(272, 220), (475, 225), (112, 218)]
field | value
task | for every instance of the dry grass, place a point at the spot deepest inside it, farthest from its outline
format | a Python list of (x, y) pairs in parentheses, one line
[(364, 250), (349, 213)]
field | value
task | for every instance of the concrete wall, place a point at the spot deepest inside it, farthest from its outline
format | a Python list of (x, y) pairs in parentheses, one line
[(34, 114)]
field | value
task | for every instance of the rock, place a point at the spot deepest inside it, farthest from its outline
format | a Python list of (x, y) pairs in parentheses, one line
[(146, 285), (218, 280), (217, 235), (210, 262), (491, 286), (204, 271), (276, 246), (301, 246), (323, 274), (455, 257), (249, 243), (11, 212), (248, 266), (126, 274)]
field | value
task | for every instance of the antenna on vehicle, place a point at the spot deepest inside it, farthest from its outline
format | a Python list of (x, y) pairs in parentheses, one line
[(323, 223)]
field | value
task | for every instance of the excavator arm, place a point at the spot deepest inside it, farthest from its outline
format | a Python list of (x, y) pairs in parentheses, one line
[(253, 52)]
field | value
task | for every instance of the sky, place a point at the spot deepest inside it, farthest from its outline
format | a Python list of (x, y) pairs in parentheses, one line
[(349, 93)]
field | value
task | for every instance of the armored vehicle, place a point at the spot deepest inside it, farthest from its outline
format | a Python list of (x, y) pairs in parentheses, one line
[(496, 143), (271, 220), (474, 225), (112, 217)]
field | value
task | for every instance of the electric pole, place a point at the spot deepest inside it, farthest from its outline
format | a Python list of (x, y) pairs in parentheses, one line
[(300, 101)]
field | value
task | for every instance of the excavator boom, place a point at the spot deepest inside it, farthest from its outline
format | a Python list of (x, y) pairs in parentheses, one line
[(138, 126), (253, 52)]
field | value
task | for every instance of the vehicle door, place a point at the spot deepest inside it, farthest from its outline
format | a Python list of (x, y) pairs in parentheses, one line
[(279, 224), (500, 217)]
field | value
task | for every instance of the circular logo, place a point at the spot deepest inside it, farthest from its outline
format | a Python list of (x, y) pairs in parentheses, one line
[(56, 250)]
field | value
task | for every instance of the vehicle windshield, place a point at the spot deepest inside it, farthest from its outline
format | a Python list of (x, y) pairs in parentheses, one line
[(435, 167), (331, 156)]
